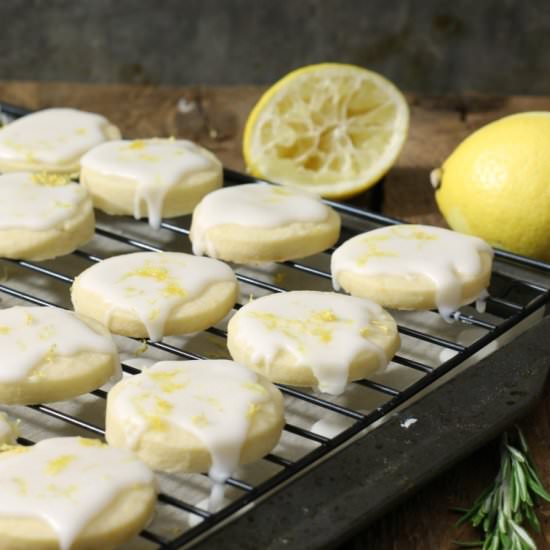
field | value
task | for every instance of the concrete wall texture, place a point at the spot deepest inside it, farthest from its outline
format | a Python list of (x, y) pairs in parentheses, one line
[(430, 46)]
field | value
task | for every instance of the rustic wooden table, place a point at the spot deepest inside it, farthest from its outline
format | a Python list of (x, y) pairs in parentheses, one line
[(214, 117)]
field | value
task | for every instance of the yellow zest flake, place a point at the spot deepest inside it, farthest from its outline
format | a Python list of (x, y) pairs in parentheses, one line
[(57, 465), (50, 179), (50, 355), (381, 326), (157, 423), (154, 314), (174, 289), (325, 315), (314, 325), (165, 381), (88, 442), (365, 332), (160, 274), (149, 158), (162, 406), (200, 420), (132, 291), (137, 145), (81, 131), (419, 235), (250, 298), (29, 319), (375, 252), (5, 329), (61, 204), (254, 387), (253, 409), (21, 485)]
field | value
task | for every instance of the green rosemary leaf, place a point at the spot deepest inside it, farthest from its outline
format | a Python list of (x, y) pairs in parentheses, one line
[(524, 536), (515, 453), (537, 488), (532, 519), (468, 544)]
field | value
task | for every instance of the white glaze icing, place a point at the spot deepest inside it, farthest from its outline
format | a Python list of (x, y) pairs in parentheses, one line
[(252, 205), (8, 430), (31, 335), (156, 165), (26, 203), (152, 284), (324, 331), (446, 257), (52, 136), (66, 481), (212, 399)]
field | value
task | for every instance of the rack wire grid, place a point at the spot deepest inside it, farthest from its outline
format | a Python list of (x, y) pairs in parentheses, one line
[(518, 291)]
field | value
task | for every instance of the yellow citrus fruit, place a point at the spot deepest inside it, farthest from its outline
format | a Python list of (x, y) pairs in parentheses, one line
[(496, 184), (331, 128)]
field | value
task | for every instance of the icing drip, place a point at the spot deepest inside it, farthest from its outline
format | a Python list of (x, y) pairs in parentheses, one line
[(52, 136), (31, 335), (444, 256), (156, 165), (321, 330), (8, 430), (253, 205), (215, 400), (66, 481), (152, 284), (27, 202)]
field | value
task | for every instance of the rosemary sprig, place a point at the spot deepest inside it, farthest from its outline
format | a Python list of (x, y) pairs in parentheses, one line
[(509, 502)]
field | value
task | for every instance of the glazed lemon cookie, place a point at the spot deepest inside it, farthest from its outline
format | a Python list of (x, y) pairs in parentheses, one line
[(49, 354), (315, 339), (157, 178), (259, 222), (42, 218), (71, 493), (8, 431), (52, 140), (195, 416), (414, 267), (155, 294)]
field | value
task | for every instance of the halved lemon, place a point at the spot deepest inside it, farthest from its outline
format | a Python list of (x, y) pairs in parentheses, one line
[(331, 128)]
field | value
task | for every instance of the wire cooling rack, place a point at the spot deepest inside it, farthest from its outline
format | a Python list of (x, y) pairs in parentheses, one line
[(317, 425)]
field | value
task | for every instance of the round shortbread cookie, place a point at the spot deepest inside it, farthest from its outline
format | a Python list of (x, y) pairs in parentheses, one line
[(414, 267), (195, 416), (155, 294), (258, 222), (71, 493), (52, 140), (8, 431), (49, 354), (157, 178), (315, 339), (42, 217)]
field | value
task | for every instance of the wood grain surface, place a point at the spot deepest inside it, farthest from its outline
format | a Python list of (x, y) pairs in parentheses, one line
[(214, 116)]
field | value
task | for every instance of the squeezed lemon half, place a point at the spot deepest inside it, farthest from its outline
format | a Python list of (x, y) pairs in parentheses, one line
[(333, 129)]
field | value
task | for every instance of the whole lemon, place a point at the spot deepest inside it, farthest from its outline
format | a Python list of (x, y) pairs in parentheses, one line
[(496, 184)]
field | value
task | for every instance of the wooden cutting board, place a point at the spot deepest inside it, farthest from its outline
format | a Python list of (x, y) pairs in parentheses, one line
[(214, 117)]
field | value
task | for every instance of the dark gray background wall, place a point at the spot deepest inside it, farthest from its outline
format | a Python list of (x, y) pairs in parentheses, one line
[(500, 46)]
